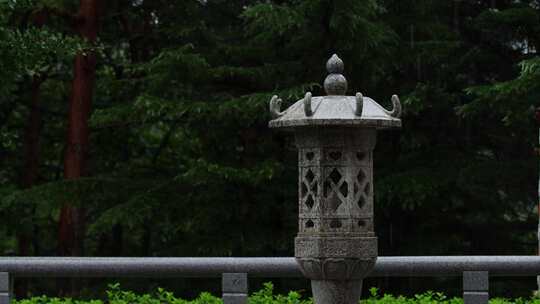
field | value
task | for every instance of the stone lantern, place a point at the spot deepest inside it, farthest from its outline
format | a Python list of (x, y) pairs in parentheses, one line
[(336, 246)]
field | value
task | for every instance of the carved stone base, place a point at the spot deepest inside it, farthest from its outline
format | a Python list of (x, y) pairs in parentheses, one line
[(336, 292), (335, 247), (336, 268)]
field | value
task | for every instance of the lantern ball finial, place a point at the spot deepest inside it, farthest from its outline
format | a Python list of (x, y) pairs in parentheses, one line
[(335, 83), (334, 65)]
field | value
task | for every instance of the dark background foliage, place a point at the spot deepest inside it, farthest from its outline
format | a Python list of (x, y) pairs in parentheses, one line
[(180, 159)]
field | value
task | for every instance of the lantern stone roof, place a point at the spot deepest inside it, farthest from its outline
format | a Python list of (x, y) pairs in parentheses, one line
[(335, 109)]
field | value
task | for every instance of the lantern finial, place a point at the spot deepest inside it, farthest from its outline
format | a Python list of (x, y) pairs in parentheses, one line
[(335, 83)]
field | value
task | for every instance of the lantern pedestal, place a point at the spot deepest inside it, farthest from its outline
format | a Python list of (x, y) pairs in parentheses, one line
[(337, 280), (336, 292)]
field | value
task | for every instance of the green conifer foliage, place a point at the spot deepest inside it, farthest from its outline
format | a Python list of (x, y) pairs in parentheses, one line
[(182, 162)]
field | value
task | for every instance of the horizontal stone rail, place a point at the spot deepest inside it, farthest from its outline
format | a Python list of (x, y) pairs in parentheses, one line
[(234, 272), (271, 267)]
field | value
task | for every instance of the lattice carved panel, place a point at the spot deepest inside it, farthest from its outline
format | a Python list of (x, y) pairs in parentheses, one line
[(335, 183), (362, 190), (309, 189)]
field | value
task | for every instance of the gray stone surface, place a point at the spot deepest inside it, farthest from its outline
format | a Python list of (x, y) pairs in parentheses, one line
[(475, 281), (267, 267), (335, 83), (234, 288), (275, 107), (335, 109), (5, 298), (335, 135), (396, 111), (234, 283), (359, 104), (234, 298), (336, 292), (339, 269), (307, 104), (475, 297), (336, 247), (5, 283), (6, 288), (336, 239)]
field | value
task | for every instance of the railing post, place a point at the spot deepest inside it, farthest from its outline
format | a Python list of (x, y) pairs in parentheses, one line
[(475, 287), (6, 287), (235, 288)]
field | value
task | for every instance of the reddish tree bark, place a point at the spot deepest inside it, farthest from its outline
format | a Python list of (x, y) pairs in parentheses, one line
[(31, 152), (71, 226), (31, 136), (31, 168)]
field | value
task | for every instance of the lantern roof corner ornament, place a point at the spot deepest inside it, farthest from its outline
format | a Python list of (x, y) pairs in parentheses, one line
[(335, 109)]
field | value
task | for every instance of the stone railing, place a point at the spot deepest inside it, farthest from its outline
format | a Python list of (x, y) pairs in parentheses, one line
[(234, 272)]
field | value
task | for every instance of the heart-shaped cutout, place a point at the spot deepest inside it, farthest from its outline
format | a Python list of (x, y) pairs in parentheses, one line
[(335, 155)]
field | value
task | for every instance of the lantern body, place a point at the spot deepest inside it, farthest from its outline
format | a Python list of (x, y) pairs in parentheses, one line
[(336, 246), (335, 202)]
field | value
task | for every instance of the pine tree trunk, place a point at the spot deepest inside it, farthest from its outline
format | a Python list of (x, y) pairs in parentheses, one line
[(30, 170), (31, 155), (71, 226), (31, 136), (31, 149)]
